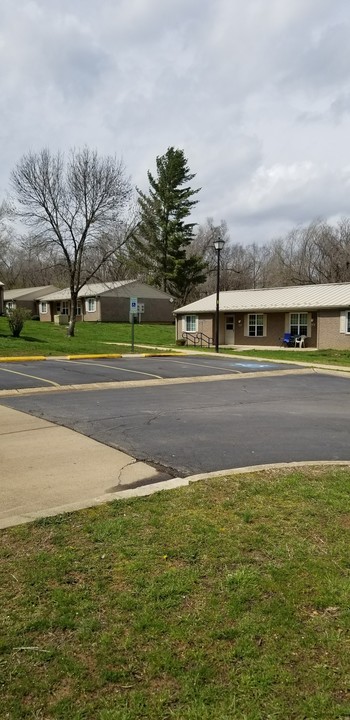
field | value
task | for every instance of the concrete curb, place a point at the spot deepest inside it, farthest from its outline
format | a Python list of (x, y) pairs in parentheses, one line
[(102, 356), (161, 354), (174, 483), (23, 358), (91, 357), (176, 353), (184, 482)]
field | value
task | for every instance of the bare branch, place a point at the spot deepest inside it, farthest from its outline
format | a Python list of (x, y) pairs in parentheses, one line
[(72, 204)]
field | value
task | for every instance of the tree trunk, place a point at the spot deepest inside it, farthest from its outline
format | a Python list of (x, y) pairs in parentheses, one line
[(73, 313), (71, 327)]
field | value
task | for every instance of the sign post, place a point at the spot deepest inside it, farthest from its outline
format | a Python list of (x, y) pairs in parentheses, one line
[(133, 312)]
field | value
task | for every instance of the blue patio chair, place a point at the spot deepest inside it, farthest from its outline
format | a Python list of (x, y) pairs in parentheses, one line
[(287, 340)]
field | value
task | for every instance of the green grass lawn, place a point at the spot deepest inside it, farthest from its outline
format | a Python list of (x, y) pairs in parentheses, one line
[(226, 600), (327, 357), (48, 339)]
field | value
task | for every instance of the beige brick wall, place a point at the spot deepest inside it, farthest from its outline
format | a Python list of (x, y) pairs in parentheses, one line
[(276, 324), (205, 325), (48, 317), (91, 316), (329, 335), (53, 309)]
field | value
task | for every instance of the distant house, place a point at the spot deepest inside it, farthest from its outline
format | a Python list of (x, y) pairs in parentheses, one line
[(261, 317), (26, 297), (1, 298), (108, 302)]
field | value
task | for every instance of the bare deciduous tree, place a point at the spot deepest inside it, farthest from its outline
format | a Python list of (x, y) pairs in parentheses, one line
[(317, 253), (71, 205)]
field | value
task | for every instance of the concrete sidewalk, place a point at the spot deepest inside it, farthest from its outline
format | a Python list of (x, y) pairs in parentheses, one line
[(46, 469)]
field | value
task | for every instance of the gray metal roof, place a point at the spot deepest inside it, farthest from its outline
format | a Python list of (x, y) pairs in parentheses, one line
[(117, 288), (32, 292), (301, 297), (89, 290)]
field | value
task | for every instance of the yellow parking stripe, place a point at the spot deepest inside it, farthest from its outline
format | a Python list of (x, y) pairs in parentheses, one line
[(112, 367), (35, 377), (22, 358)]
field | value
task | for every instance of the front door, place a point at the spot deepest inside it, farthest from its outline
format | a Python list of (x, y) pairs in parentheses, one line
[(229, 329)]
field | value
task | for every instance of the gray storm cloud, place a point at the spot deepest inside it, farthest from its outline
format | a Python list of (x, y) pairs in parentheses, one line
[(257, 94)]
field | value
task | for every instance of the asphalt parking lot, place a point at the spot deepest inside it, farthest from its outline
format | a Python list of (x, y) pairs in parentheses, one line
[(206, 426), (61, 372)]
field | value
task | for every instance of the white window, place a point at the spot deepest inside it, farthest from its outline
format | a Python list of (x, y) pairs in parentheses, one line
[(298, 324), (43, 308), (345, 321), (64, 307), (10, 305), (90, 305), (191, 323), (255, 325)]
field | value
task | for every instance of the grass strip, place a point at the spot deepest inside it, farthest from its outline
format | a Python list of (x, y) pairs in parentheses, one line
[(40, 338), (228, 599)]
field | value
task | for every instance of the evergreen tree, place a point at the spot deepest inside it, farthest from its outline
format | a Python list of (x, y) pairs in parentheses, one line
[(162, 245)]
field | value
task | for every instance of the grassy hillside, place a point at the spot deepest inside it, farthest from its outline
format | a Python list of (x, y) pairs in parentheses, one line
[(48, 339)]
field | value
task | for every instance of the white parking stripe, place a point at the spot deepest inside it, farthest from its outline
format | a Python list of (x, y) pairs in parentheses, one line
[(35, 377), (110, 367)]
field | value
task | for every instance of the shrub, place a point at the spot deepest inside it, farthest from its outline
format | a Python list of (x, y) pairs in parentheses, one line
[(35, 317), (16, 318)]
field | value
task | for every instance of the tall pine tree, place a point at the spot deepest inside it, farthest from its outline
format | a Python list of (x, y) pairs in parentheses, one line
[(162, 245)]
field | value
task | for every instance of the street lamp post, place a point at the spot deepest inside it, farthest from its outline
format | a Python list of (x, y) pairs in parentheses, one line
[(218, 244)]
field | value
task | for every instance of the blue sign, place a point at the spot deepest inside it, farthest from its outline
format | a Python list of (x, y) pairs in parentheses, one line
[(133, 305)]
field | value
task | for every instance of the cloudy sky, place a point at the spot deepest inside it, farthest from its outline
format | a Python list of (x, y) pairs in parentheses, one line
[(256, 92)]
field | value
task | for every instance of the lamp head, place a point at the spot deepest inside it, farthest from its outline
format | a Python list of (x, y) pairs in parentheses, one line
[(219, 244)]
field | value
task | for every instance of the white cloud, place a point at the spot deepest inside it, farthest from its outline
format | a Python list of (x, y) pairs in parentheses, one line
[(256, 92)]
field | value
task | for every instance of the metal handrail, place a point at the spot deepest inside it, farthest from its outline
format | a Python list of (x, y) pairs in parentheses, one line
[(198, 338)]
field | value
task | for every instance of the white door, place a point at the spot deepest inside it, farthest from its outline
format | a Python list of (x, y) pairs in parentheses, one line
[(229, 329)]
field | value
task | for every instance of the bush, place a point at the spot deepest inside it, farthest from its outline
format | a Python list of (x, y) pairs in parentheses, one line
[(16, 319), (35, 317), (181, 341)]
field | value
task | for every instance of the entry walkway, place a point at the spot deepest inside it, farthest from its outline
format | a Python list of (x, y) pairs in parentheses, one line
[(47, 469)]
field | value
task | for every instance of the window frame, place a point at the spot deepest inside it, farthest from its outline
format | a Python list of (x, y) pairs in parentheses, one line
[(229, 323), (43, 305), (256, 325), (194, 327), (302, 327), (64, 307), (92, 301)]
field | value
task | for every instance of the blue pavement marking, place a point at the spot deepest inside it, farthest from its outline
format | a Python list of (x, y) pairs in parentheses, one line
[(254, 365)]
